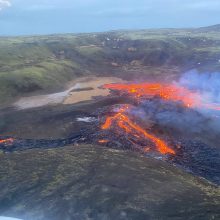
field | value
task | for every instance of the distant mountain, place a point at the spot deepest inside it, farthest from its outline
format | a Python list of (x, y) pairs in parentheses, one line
[(211, 28)]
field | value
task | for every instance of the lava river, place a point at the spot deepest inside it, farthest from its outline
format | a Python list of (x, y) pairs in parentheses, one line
[(131, 128), (169, 92)]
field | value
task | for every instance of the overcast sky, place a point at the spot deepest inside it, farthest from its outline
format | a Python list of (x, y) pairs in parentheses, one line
[(21, 17)]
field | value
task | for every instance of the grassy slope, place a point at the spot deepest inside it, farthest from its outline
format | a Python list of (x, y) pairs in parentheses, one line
[(91, 182), (45, 63)]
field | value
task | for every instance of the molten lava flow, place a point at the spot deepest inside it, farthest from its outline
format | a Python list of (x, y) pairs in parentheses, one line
[(103, 141), (6, 141), (143, 91), (168, 92), (125, 123)]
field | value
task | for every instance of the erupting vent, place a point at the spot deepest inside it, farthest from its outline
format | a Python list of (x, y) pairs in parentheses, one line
[(130, 127)]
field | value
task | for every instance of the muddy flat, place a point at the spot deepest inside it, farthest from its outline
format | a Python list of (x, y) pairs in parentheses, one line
[(82, 89), (95, 83)]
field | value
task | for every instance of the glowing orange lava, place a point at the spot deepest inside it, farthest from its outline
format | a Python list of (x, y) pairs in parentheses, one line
[(103, 141), (143, 91), (170, 92), (125, 123), (6, 141)]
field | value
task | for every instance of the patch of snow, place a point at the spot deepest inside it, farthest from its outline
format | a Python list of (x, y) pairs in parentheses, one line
[(86, 119)]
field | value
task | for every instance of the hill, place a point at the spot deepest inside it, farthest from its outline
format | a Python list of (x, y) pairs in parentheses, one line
[(211, 28), (54, 164), (91, 182), (41, 64)]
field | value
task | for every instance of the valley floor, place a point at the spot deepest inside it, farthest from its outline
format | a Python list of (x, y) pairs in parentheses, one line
[(82, 89)]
